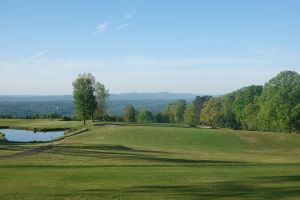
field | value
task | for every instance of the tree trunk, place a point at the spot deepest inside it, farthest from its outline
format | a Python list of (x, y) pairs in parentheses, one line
[(84, 121)]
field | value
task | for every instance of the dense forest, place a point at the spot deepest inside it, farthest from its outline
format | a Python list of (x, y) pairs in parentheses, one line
[(272, 107)]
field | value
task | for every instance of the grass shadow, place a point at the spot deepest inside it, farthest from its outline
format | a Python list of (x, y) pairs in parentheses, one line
[(130, 154), (245, 189)]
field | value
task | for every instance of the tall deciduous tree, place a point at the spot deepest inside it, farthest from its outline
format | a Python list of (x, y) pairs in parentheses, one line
[(101, 94), (280, 102), (84, 99), (198, 103), (227, 112), (211, 113), (245, 104), (189, 114), (250, 121), (175, 111)]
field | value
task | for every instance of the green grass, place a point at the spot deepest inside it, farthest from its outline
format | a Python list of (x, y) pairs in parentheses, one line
[(150, 162), (39, 123)]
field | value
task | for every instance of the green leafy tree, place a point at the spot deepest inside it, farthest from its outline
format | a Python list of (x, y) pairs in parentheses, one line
[(84, 99), (274, 107), (144, 116), (101, 94), (175, 111), (161, 117), (129, 114), (189, 115), (250, 121), (211, 113), (244, 97), (198, 103), (227, 112), (279, 103), (170, 112), (180, 108)]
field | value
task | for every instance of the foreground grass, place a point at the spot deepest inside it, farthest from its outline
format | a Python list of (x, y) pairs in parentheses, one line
[(151, 162), (221, 182)]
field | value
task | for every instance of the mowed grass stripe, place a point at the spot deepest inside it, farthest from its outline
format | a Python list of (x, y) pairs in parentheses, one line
[(151, 183)]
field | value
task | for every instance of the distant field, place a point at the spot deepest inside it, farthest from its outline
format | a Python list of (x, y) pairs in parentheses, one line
[(151, 162)]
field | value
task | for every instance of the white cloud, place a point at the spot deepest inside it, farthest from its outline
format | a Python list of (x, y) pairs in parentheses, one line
[(101, 27), (122, 26), (130, 14), (35, 56)]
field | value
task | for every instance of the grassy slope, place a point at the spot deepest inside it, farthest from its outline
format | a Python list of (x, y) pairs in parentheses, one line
[(145, 162)]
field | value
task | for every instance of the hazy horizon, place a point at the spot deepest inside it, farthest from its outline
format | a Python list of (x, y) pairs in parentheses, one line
[(123, 93), (199, 47)]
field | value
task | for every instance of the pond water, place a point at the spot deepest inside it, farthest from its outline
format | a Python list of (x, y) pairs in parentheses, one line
[(14, 135)]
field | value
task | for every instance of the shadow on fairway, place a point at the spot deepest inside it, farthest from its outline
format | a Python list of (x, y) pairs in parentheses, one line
[(146, 124), (277, 188), (129, 154), (16, 146)]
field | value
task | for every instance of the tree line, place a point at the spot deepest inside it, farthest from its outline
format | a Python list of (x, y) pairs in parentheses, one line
[(272, 107), (175, 112)]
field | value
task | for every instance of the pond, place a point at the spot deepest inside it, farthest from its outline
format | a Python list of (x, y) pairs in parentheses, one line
[(15, 135)]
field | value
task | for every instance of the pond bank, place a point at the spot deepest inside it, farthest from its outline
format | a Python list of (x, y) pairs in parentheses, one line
[(35, 129)]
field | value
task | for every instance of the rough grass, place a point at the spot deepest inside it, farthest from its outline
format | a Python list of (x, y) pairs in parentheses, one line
[(150, 162)]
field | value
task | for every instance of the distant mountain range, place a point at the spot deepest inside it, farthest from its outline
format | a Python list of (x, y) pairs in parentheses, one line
[(21, 106), (122, 96), (152, 96)]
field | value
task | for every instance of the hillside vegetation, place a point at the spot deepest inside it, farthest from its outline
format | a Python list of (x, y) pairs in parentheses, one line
[(272, 107)]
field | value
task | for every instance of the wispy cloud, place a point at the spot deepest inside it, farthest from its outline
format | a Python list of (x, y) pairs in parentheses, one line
[(35, 56), (122, 26), (101, 27), (130, 14)]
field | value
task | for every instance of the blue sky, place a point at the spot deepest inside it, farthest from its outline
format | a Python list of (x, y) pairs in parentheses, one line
[(204, 47)]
